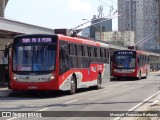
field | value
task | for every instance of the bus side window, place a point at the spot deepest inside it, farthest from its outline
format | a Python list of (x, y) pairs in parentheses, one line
[(92, 52), (79, 49), (72, 49), (85, 51), (98, 55), (73, 56), (95, 52), (89, 51), (86, 62), (79, 56), (143, 61), (108, 54), (98, 52), (102, 55), (139, 60), (64, 57), (82, 49)]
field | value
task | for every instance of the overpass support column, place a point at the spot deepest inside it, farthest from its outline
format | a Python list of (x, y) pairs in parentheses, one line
[(3, 4)]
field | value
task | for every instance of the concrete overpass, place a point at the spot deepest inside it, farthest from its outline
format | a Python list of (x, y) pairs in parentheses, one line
[(10, 28)]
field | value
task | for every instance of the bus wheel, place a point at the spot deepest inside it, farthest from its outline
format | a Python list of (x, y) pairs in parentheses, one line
[(73, 85), (99, 81), (139, 75)]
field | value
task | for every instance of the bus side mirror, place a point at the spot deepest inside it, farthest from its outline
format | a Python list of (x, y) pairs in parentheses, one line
[(138, 60)]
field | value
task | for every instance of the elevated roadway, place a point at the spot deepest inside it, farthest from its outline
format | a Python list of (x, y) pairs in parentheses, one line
[(10, 28)]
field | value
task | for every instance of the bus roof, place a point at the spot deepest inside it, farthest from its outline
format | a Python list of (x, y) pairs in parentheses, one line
[(68, 38), (82, 41)]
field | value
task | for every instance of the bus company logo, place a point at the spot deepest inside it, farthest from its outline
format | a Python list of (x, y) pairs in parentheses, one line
[(6, 114), (99, 67), (27, 78), (93, 68)]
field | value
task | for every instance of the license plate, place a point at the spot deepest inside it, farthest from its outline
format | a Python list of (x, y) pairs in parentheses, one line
[(32, 87)]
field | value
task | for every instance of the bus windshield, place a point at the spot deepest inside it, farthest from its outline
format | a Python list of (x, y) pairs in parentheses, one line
[(34, 58), (125, 60)]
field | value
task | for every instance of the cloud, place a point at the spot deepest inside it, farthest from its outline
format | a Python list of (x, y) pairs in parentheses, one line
[(79, 5)]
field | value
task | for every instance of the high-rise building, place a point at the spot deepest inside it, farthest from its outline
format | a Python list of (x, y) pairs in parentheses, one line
[(97, 25), (141, 16), (3, 4)]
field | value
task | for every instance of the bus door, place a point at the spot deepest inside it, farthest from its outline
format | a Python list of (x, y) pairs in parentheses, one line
[(93, 63), (106, 65), (86, 64)]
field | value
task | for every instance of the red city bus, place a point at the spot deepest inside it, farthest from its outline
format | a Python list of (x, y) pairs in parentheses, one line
[(58, 62), (131, 64)]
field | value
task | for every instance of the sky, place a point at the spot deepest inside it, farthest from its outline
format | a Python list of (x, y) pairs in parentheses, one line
[(58, 13)]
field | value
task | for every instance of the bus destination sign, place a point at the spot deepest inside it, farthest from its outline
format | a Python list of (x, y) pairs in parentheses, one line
[(36, 40), (125, 53)]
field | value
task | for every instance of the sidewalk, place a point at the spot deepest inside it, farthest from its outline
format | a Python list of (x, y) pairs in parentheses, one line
[(151, 105), (154, 106)]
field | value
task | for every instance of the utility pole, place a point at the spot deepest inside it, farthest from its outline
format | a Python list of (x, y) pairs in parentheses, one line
[(100, 10)]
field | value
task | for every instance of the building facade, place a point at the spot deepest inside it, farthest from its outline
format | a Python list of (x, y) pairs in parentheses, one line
[(141, 16), (126, 38)]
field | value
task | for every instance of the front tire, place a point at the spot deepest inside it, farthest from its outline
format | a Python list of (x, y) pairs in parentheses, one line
[(73, 88)]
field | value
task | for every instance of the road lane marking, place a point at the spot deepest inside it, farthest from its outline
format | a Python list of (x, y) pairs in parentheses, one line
[(125, 86), (138, 105), (43, 109), (105, 91), (154, 102), (70, 101)]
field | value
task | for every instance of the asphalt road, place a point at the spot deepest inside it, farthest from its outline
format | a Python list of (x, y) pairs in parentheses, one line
[(121, 95)]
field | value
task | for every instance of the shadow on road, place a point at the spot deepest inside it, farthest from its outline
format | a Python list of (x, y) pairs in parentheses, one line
[(124, 79), (46, 94)]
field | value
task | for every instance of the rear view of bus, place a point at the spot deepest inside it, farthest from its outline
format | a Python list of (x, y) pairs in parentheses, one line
[(33, 63), (130, 64)]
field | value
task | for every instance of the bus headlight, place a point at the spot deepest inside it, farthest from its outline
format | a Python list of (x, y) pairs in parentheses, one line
[(51, 77), (133, 70), (14, 78), (115, 70)]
